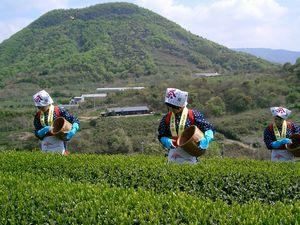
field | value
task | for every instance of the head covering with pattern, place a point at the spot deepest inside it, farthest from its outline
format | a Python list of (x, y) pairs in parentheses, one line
[(280, 112), (42, 98), (176, 97)]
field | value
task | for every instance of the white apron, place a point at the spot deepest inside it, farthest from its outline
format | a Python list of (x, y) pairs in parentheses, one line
[(281, 156), (180, 156), (52, 144)]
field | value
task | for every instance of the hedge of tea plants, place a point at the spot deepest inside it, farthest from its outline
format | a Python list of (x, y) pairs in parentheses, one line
[(38, 188)]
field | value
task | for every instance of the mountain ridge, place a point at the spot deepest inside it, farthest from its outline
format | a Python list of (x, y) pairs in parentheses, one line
[(273, 55), (113, 41)]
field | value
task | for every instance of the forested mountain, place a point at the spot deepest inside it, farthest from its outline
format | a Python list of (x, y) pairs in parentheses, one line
[(113, 40), (273, 55), (72, 52)]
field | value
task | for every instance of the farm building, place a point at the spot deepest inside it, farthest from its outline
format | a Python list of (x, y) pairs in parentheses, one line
[(205, 74), (118, 89), (76, 100), (103, 95), (126, 111), (69, 106)]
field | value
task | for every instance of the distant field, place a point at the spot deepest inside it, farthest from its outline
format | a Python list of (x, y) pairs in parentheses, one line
[(37, 188)]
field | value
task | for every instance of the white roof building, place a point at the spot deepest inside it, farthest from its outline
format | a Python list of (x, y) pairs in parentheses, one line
[(103, 95), (69, 106), (127, 110), (117, 89), (205, 74)]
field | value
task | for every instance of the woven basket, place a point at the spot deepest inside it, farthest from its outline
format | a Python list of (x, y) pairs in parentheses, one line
[(189, 140), (61, 127), (294, 147)]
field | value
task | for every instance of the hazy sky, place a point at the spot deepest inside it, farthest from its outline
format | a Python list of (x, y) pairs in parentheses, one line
[(234, 23)]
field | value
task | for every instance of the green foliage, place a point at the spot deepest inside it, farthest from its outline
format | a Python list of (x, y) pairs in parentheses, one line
[(293, 97), (215, 106), (292, 69), (39, 199), (296, 68), (41, 188), (253, 121), (238, 101), (214, 150), (225, 179), (70, 52), (119, 142), (113, 40), (288, 67)]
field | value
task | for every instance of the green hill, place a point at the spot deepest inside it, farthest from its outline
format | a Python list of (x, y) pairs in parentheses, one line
[(112, 41), (73, 52)]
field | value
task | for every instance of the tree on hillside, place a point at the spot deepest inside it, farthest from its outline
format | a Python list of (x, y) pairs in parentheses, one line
[(237, 101), (215, 106), (297, 68), (119, 142)]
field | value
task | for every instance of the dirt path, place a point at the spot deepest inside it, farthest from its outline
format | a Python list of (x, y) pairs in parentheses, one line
[(241, 144), (87, 118)]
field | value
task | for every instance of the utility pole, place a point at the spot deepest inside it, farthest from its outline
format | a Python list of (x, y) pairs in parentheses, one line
[(142, 146), (94, 103)]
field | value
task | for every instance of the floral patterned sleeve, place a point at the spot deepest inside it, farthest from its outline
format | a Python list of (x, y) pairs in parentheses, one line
[(68, 116), (296, 128), (269, 135), (202, 123), (62, 112), (37, 125), (269, 138), (163, 129)]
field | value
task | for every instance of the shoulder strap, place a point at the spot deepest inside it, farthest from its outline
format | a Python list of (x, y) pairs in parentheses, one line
[(57, 111), (38, 114), (270, 127), (290, 126), (191, 116), (168, 118)]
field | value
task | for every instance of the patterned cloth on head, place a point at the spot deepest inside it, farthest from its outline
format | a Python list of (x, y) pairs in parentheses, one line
[(280, 112), (42, 98), (176, 97)]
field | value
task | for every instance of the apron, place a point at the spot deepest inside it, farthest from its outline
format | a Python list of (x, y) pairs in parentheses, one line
[(53, 144), (177, 154), (281, 156), (180, 156)]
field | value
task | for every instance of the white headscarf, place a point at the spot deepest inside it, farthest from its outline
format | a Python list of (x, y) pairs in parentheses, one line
[(42, 98), (176, 97), (281, 112)]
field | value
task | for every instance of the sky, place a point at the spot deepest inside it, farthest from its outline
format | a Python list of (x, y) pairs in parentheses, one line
[(271, 24)]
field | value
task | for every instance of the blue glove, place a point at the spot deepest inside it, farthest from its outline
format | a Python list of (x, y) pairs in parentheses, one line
[(42, 132), (72, 132), (208, 137), (285, 141), (279, 143), (167, 142)]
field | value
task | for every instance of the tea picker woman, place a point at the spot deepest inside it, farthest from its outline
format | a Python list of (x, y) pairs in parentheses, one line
[(176, 121), (43, 122), (278, 134)]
